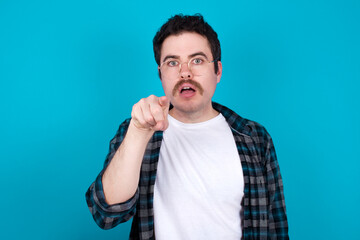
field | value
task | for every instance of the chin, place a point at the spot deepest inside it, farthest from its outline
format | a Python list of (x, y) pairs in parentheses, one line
[(187, 107)]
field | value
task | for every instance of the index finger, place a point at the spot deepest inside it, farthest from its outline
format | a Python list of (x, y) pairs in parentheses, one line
[(164, 101), (158, 112)]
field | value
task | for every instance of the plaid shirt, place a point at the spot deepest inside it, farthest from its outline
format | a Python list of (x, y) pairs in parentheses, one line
[(264, 213)]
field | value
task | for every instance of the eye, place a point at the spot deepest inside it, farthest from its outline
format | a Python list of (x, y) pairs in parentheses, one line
[(197, 61), (172, 63)]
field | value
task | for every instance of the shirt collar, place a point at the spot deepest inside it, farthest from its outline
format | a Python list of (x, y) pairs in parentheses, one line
[(234, 120)]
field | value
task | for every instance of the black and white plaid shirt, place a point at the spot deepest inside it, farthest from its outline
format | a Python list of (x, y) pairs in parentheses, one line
[(264, 213)]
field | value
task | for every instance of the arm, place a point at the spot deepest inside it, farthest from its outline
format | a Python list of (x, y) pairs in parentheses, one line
[(121, 177), (105, 215), (278, 225), (112, 197)]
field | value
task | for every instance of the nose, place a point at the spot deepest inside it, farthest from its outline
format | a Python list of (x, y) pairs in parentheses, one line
[(185, 72)]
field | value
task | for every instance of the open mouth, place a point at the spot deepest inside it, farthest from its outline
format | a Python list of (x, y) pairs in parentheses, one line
[(186, 89)]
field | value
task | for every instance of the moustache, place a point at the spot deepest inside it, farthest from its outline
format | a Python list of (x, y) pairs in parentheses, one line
[(192, 82)]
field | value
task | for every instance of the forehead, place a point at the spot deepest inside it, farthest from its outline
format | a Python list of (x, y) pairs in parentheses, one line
[(185, 44)]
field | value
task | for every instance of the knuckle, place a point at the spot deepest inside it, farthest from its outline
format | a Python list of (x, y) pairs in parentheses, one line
[(142, 122), (149, 119), (142, 101), (152, 97)]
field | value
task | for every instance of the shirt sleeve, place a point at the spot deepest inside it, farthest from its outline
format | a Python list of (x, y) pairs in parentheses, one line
[(278, 225), (105, 215)]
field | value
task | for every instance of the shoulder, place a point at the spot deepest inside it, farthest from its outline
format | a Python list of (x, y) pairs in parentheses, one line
[(241, 124), (245, 127), (257, 131)]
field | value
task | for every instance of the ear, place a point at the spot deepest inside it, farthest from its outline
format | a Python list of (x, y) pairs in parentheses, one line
[(159, 73), (219, 72)]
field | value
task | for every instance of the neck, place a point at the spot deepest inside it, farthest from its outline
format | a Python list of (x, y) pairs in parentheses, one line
[(193, 117)]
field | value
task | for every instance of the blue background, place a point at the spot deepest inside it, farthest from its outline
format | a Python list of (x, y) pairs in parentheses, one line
[(70, 72)]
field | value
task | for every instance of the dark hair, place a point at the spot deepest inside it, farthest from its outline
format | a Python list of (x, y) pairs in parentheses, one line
[(187, 23)]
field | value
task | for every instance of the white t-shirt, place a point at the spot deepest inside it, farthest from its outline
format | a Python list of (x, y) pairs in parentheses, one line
[(199, 184)]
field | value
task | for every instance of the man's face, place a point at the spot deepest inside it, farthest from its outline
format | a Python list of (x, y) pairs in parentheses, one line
[(190, 91)]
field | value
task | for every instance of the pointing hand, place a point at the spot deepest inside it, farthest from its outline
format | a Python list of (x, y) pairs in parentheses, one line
[(151, 113)]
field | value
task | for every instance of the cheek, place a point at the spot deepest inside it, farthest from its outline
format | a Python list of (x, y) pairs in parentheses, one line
[(210, 85), (211, 89), (167, 87)]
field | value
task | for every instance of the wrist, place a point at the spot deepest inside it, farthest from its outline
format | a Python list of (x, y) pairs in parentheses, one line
[(140, 133)]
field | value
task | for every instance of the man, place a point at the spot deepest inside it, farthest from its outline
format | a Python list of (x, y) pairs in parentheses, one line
[(183, 166)]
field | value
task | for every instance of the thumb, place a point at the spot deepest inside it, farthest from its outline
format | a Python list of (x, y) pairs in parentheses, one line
[(164, 102)]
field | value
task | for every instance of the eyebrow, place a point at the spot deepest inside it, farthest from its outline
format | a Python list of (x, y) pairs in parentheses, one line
[(199, 54), (190, 56), (171, 56)]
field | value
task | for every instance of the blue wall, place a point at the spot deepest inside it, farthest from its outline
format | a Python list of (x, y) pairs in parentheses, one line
[(70, 72)]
